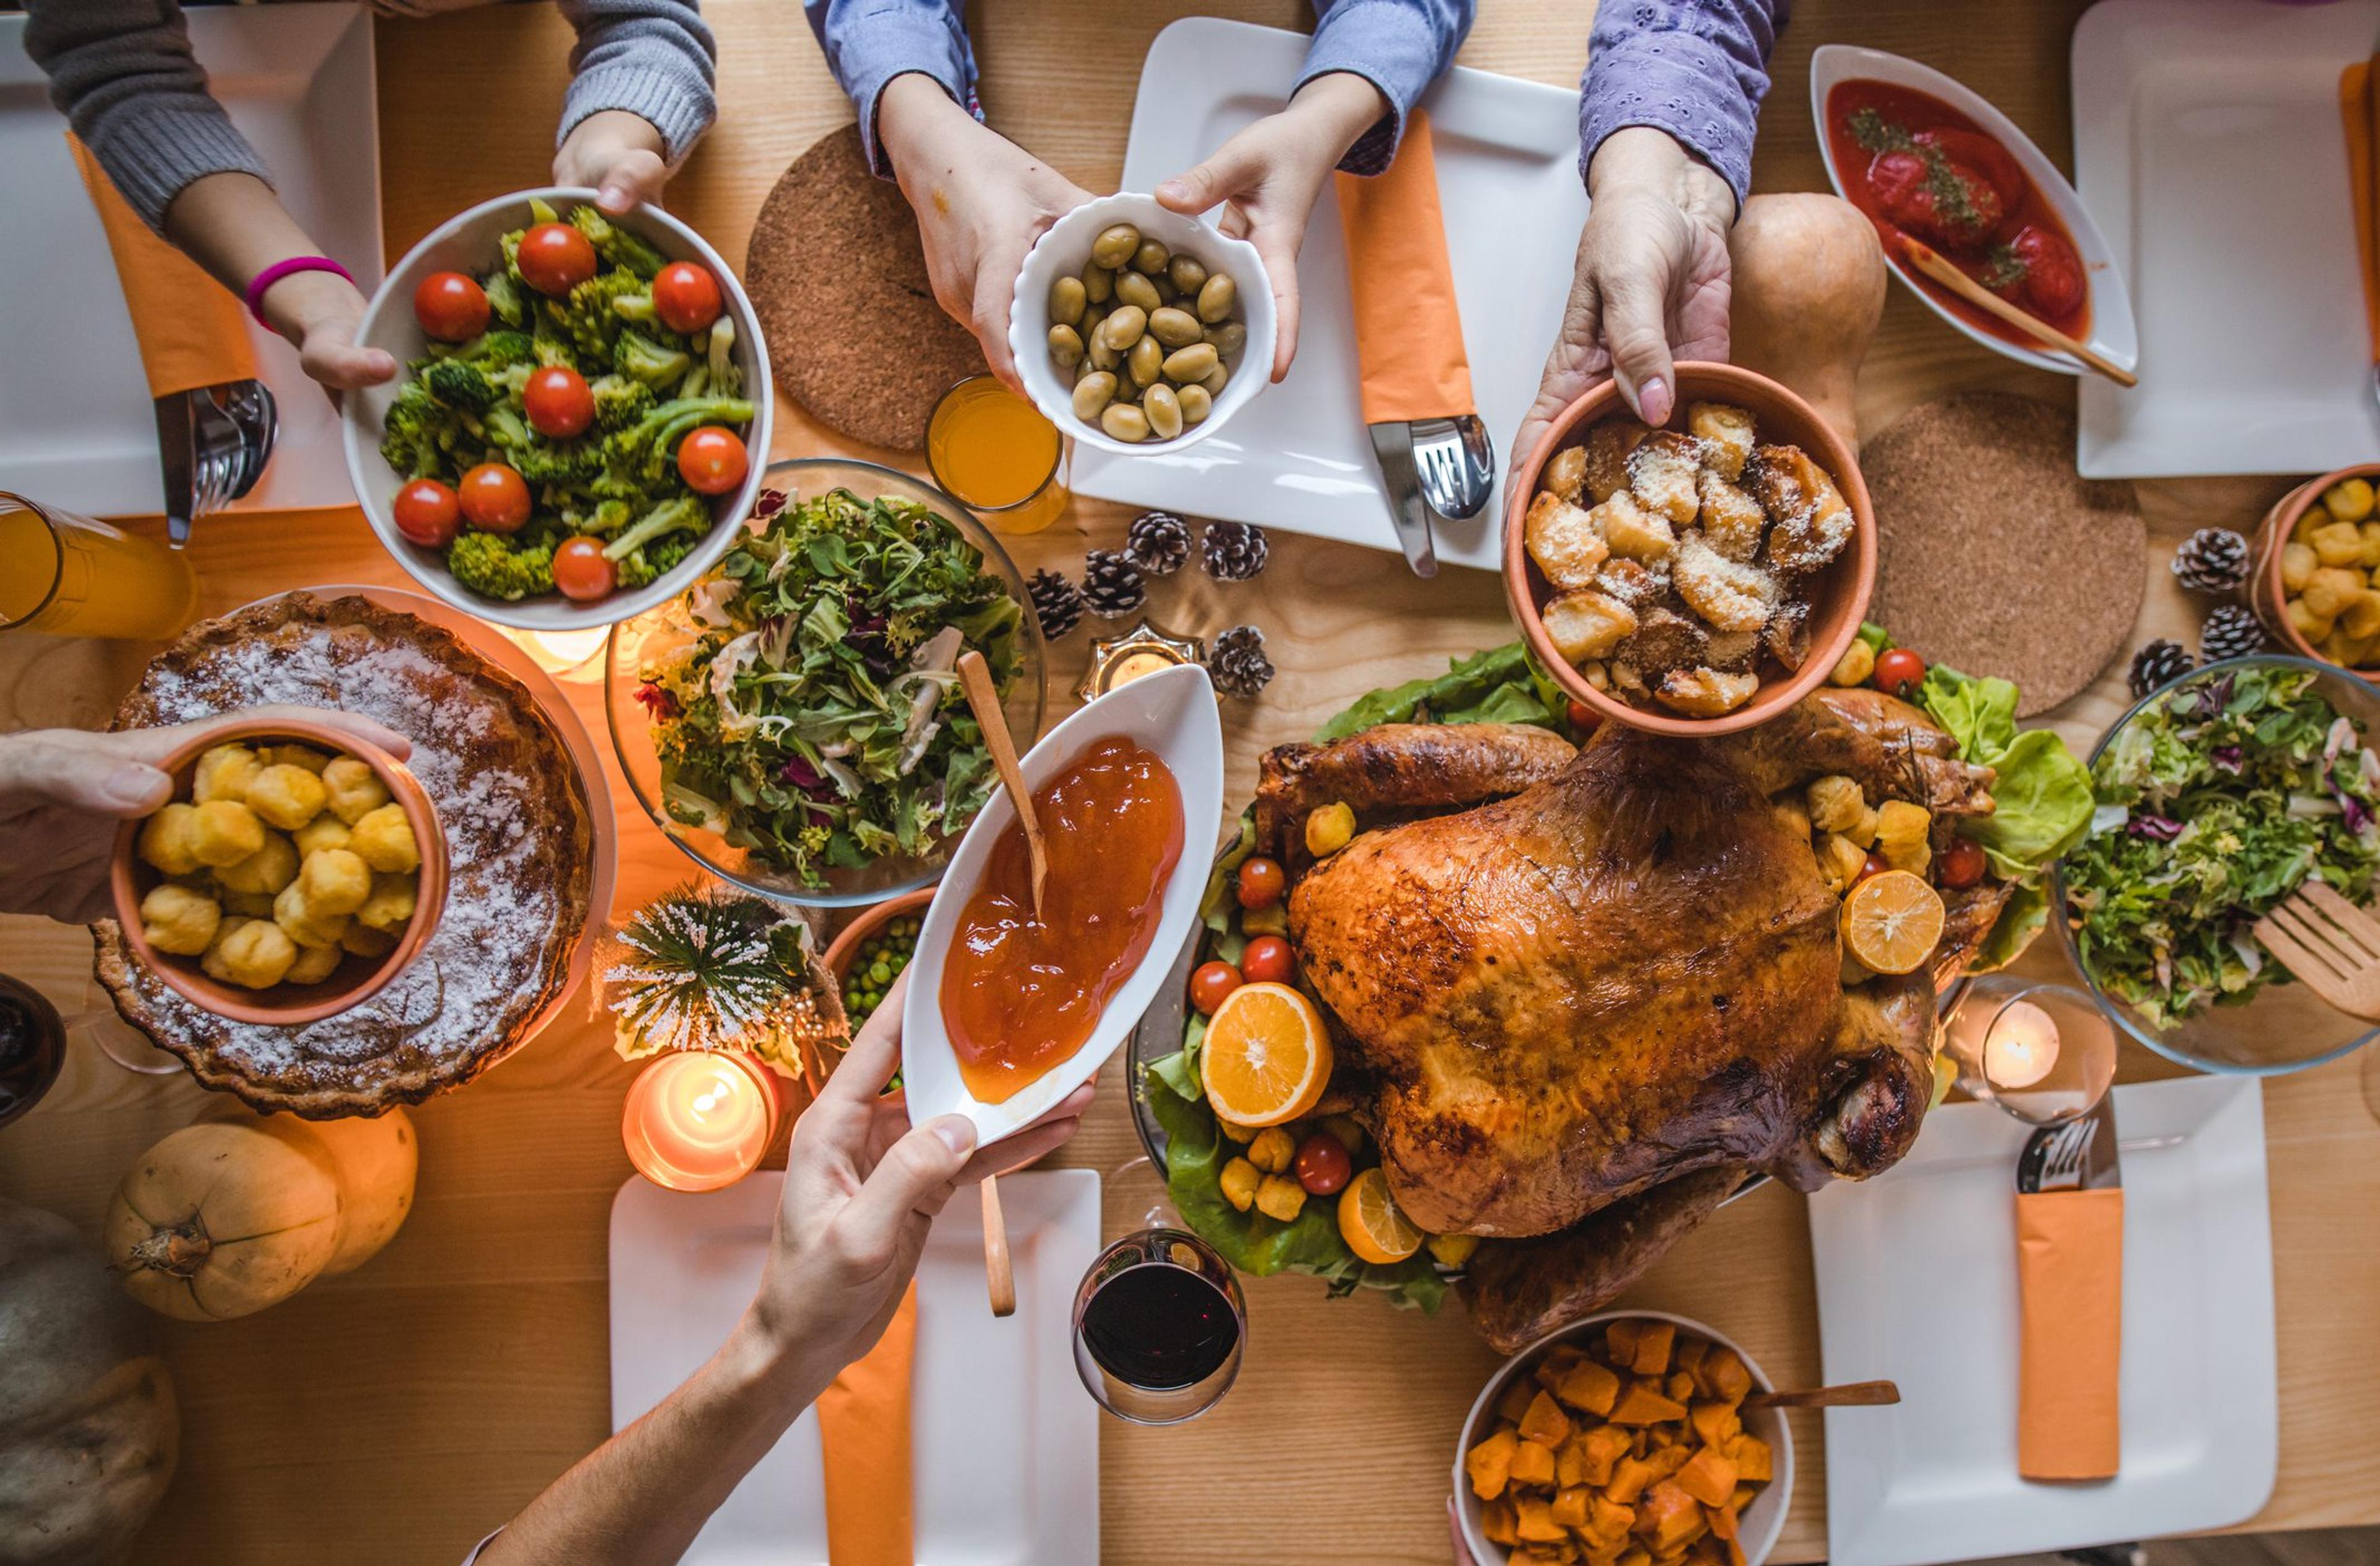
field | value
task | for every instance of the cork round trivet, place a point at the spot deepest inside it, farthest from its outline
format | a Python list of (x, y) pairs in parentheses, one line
[(1995, 557), (838, 279)]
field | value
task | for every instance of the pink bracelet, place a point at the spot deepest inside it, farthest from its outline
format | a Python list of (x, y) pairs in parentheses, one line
[(281, 269)]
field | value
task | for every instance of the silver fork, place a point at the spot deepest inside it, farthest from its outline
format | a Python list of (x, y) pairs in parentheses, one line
[(1457, 460), (2062, 1159)]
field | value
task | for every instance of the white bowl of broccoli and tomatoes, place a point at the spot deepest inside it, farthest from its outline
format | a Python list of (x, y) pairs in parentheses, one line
[(583, 417)]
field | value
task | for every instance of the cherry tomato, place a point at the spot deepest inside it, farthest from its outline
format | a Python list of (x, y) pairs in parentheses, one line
[(558, 402), (1875, 867), (1582, 718), (1268, 960), (580, 570), (712, 460), (555, 258), (494, 499), (2049, 272), (427, 513), (1322, 1165), (1900, 672), (1210, 984), (685, 297), (1261, 883), (450, 307), (1961, 864)]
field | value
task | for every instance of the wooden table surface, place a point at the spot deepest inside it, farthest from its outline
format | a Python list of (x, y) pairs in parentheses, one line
[(397, 1414)]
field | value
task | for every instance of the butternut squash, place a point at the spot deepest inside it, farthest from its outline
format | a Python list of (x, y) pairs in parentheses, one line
[(1808, 289), (238, 1212)]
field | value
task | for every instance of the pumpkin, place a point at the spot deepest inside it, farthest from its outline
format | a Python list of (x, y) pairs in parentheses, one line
[(88, 1427), (1809, 283), (240, 1211)]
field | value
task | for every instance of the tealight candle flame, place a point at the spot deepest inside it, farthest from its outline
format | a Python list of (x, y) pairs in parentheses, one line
[(2021, 1047), (696, 1120)]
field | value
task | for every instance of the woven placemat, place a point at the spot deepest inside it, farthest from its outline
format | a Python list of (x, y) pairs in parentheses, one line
[(1995, 557), (838, 279)]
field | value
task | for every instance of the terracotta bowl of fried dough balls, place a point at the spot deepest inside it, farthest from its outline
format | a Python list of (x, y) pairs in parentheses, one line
[(2315, 583), (297, 870), (1693, 580)]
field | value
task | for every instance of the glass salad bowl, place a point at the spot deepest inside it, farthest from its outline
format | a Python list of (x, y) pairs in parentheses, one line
[(2283, 1026), (639, 643)]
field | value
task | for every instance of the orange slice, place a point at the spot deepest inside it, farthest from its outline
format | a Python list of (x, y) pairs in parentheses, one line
[(1892, 922), (1371, 1223), (1267, 1058)]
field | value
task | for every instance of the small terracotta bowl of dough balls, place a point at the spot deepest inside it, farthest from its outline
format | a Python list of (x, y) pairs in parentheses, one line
[(295, 870)]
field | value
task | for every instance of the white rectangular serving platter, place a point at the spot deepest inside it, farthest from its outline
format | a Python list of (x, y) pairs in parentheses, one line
[(1916, 1274), (1300, 459), (78, 429), (2208, 144), (1004, 1441)]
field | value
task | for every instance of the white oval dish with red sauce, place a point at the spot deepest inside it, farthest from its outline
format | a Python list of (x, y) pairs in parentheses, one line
[(1171, 716), (2034, 205)]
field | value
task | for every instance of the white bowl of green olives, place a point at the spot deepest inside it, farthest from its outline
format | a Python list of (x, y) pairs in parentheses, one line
[(1137, 329)]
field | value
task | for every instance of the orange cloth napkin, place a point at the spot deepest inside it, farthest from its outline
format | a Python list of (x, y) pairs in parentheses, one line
[(2359, 113), (2070, 1269), (192, 332), (1408, 331), (863, 1428)]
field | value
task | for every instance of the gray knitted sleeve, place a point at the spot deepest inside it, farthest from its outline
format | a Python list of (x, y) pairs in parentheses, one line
[(653, 58)]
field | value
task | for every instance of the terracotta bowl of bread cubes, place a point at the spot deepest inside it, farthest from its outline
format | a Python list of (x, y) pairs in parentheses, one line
[(297, 870), (1696, 580)]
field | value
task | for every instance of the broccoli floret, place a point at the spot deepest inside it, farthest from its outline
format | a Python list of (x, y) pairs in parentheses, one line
[(619, 402), (677, 515), (504, 297), (494, 349), (638, 355), (726, 381), (592, 315), (656, 560), (557, 462), (502, 568), (645, 446), (604, 518), (506, 431), (615, 244), (459, 385), (413, 436)]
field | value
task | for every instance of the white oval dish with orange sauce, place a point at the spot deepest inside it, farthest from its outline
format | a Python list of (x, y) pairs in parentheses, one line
[(1169, 716)]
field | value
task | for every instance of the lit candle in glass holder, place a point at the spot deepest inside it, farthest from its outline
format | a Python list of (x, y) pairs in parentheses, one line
[(2042, 1052), (2021, 1047), (696, 1121)]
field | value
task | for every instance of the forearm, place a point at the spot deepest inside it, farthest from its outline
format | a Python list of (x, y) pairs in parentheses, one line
[(1697, 71), (1644, 158), (655, 59), (639, 1499), (1400, 47), (871, 44), (235, 227)]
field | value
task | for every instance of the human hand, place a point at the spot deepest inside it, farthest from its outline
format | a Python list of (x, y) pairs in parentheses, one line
[(981, 202), (1651, 281), (1270, 177), (319, 313), (62, 791), (862, 1188), (619, 155)]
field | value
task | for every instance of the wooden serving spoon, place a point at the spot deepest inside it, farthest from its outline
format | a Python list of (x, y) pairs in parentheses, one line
[(1851, 1394), (1925, 259), (975, 678)]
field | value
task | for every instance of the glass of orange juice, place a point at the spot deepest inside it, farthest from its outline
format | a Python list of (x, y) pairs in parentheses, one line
[(991, 449), (72, 576)]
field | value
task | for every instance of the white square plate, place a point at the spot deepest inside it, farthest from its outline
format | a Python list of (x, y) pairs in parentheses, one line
[(1301, 459), (1005, 1442), (2204, 132), (78, 429), (1917, 1282)]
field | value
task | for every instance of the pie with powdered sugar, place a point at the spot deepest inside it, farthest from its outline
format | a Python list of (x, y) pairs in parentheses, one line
[(519, 846)]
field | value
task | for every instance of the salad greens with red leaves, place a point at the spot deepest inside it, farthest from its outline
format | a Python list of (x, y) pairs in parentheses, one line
[(2216, 801)]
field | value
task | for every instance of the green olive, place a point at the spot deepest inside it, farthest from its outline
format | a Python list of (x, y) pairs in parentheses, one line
[(1123, 327), (1164, 411), (1124, 423), (1144, 360), (1065, 346), (1092, 393), (1099, 283), (1214, 383), (1068, 297), (1188, 274), (1084, 367), (1194, 363), (1134, 289), (1115, 246), (1217, 297), (1150, 258), (1194, 403), (1098, 356), (1174, 328), (1166, 292), (1229, 338)]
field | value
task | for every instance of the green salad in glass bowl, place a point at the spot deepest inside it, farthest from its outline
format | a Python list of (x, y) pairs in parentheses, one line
[(794, 722), (2216, 797)]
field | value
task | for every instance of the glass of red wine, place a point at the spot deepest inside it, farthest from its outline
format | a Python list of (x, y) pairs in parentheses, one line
[(32, 1047), (1160, 1327)]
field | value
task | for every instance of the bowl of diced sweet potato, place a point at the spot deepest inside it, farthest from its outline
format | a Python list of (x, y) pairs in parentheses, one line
[(1623, 1441)]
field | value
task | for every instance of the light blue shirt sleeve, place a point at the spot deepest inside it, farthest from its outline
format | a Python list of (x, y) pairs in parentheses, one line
[(1695, 68), (1399, 46)]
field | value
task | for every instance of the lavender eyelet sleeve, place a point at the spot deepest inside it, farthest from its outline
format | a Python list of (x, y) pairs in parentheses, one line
[(1695, 68)]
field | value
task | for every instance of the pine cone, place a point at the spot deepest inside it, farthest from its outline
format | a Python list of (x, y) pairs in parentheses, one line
[(1158, 541), (1237, 663), (1111, 584), (2232, 630), (1234, 552), (2160, 663), (2212, 560), (1057, 603)]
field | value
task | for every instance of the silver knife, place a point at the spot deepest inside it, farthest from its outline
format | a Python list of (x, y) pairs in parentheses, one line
[(1392, 443), (2081, 1155)]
